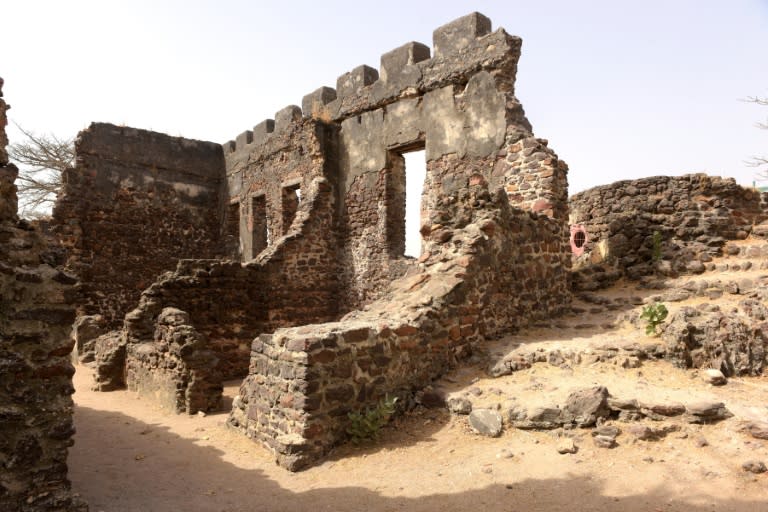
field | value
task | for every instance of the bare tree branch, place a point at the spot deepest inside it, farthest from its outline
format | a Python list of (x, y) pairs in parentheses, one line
[(41, 160), (761, 162)]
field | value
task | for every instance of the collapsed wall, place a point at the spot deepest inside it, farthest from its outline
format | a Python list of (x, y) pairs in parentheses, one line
[(494, 245), (694, 215), (36, 313), (487, 270), (134, 204), (312, 221), (230, 304), (458, 106)]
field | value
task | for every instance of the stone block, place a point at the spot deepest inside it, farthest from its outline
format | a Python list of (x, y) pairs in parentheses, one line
[(350, 83), (286, 117), (459, 33), (396, 65), (262, 130), (244, 138), (313, 102)]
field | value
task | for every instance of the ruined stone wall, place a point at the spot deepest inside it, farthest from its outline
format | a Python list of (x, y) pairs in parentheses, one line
[(269, 169), (493, 226), (178, 369), (36, 408), (135, 203), (458, 102), (230, 304), (487, 269), (694, 214)]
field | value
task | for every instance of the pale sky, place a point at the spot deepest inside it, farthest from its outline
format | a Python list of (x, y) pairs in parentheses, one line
[(620, 89)]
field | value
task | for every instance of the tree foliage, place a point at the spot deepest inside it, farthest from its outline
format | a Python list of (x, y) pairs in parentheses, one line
[(41, 160)]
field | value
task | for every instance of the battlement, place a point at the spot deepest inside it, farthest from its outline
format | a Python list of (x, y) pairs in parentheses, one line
[(461, 49)]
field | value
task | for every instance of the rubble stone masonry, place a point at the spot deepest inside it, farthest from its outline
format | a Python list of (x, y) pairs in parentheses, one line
[(694, 216), (36, 313), (135, 203), (288, 242)]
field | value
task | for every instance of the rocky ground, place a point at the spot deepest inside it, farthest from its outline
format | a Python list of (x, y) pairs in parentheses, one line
[(582, 413)]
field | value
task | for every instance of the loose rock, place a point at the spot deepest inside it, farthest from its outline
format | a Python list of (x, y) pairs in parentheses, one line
[(713, 376), (584, 406), (486, 422), (707, 412), (566, 445), (459, 405), (754, 466)]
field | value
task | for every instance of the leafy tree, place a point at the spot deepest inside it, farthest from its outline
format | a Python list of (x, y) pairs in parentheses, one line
[(41, 160)]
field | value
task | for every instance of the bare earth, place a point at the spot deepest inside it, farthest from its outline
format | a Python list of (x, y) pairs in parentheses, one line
[(130, 456)]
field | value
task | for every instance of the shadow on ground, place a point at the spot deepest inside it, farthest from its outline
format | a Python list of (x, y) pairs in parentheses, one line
[(145, 468)]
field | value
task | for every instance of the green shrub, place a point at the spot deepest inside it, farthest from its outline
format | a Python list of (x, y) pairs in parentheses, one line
[(366, 425), (654, 314), (656, 246)]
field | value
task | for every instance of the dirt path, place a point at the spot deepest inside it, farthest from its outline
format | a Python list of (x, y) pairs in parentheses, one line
[(131, 456)]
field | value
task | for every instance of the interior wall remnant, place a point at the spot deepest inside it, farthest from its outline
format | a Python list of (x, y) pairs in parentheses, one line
[(36, 313), (134, 204)]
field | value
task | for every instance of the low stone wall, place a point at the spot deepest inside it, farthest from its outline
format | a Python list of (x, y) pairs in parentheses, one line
[(734, 342), (178, 369), (36, 408), (694, 215), (486, 269)]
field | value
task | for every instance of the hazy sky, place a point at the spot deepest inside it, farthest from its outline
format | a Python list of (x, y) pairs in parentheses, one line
[(621, 89)]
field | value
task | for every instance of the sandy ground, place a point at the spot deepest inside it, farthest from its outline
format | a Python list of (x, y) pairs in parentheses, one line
[(130, 456)]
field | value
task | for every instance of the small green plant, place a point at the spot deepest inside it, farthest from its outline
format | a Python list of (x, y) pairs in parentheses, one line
[(656, 246), (366, 425), (654, 314)]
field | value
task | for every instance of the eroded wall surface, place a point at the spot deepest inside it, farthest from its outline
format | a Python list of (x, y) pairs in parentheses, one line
[(135, 203), (230, 304), (311, 219), (488, 270), (36, 407), (493, 227), (694, 216), (458, 106)]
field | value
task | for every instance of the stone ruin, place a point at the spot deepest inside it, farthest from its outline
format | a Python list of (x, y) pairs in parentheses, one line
[(691, 216), (278, 258), (36, 313)]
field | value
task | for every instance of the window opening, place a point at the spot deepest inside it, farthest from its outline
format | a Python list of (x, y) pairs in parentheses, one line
[(259, 230), (232, 231), (291, 200), (415, 175)]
